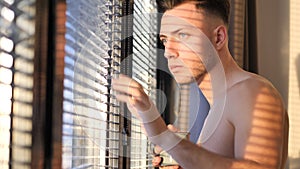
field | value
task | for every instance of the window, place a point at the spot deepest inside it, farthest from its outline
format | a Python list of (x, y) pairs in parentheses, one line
[(17, 20), (57, 108), (96, 133), (144, 71)]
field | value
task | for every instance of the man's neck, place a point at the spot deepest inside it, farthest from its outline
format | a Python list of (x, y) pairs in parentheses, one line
[(206, 87), (228, 67)]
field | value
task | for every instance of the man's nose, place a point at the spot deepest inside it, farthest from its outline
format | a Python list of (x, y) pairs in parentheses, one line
[(171, 48)]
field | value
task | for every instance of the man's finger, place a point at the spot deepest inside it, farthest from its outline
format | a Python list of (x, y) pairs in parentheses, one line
[(173, 128), (126, 81), (123, 98), (127, 90), (156, 161)]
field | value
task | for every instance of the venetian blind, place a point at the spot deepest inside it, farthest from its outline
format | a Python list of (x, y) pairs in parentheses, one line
[(90, 119), (17, 20), (144, 71), (237, 31)]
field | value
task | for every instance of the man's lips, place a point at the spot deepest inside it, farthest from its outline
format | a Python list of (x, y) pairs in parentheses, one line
[(174, 68)]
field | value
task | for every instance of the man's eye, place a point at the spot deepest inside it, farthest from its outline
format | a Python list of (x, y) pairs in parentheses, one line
[(182, 35), (164, 41)]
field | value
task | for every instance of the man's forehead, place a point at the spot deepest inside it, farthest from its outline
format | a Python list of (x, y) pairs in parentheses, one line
[(172, 24), (183, 16), (171, 19)]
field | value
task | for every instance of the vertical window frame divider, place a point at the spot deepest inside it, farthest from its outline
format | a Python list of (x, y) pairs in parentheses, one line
[(250, 47), (57, 106), (126, 68), (48, 86), (39, 87)]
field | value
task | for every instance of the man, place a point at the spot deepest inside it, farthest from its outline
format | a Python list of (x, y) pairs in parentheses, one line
[(246, 128)]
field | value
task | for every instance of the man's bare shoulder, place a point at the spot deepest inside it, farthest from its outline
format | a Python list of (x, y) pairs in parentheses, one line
[(253, 84), (252, 94)]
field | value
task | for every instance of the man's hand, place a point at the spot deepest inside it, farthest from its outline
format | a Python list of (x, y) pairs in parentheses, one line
[(132, 93), (157, 160)]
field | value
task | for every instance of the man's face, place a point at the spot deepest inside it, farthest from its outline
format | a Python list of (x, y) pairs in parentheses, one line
[(184, 33)]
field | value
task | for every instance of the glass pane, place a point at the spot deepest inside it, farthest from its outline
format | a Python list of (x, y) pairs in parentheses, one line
[(17, 19), (90, 126), (143, 71)]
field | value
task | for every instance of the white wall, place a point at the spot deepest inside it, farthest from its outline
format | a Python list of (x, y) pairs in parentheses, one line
[(273, 42), (279, 60)]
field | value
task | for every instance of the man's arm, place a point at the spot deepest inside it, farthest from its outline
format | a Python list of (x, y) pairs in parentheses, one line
[(191, 156), (261, 123)]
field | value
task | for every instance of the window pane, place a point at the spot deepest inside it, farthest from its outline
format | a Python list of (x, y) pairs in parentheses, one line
[(143, 71), (90, 126), (16, 82)]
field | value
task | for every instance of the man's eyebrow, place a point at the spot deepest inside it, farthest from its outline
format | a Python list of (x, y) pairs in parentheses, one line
[(162, 35)]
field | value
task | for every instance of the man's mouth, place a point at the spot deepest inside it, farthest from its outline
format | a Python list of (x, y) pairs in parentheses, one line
[(175, 67)]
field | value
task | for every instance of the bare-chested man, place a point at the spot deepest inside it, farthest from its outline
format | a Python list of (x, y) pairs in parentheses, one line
[(247, 126)]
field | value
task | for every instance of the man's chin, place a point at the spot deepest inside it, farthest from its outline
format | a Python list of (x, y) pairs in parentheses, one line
[(184, 80)]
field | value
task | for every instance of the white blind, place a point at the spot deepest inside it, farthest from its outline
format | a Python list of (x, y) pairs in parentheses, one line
[(90, 118), (92, 129), (237, 31), (17, 20), (144, 71)]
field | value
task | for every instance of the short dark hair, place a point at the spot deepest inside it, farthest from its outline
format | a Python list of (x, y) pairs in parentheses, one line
[(219, 8)]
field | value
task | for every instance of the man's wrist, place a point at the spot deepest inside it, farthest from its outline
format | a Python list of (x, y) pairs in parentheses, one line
[(166, 140), (149, 115)]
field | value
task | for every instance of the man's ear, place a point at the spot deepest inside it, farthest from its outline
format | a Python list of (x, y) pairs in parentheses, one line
[(220, 36)]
